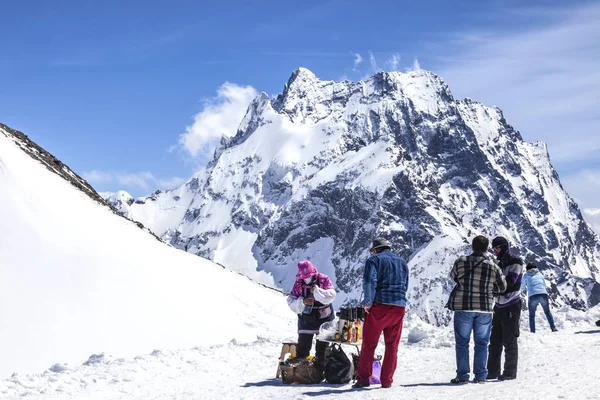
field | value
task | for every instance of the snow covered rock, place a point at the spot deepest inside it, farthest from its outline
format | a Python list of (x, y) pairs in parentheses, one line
[(326, 166)]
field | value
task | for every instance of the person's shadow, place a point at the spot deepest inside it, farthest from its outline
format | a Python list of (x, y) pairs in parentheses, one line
[(334, 392), (588, 332), (277, 382), (430, 384), (268, 382)]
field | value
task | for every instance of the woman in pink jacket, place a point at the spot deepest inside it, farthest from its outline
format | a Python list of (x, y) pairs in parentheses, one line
[(311, 299)]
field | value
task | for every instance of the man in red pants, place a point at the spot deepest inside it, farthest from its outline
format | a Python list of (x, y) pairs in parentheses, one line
[(385, 282)]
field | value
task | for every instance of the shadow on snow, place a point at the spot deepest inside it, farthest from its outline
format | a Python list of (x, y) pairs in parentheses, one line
[(588, 332)]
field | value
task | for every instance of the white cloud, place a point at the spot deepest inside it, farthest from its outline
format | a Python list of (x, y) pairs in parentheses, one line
[(144, 180), (357, 59), (394, 62), (95, 176), (592, 216), (416, 65), (219, 117), (171, 182), (373, 62), (141, 180), (546, 78)]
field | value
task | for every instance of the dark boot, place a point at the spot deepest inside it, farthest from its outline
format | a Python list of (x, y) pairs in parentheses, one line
[(320, 349), (304, 345)]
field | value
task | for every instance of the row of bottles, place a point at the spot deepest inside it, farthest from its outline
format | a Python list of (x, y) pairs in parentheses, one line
[(350, 332)]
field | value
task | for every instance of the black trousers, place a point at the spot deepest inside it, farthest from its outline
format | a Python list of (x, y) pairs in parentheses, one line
[(305, 344), (504, 336)]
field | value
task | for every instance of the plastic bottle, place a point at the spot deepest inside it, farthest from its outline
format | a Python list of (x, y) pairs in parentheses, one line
[(353, 334)]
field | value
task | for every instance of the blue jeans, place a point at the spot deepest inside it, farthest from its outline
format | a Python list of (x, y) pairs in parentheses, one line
[(480, 323), (533, 303)]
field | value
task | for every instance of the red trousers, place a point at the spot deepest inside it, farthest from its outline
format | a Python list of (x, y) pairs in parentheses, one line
[(387, 319)]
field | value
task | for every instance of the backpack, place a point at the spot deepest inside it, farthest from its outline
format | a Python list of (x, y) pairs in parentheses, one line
[(338, 367), (303, 371)]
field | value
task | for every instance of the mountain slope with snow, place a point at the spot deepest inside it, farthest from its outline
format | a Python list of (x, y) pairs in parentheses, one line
[(326, 166), (77, 279)]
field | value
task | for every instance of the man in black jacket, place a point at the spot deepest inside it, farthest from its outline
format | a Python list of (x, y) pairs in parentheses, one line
[(507, 315)]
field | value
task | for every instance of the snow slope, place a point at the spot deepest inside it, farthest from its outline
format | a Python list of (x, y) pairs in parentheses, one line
[(75, 279)]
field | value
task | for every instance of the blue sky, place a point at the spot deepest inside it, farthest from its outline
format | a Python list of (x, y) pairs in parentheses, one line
[(110, 87)]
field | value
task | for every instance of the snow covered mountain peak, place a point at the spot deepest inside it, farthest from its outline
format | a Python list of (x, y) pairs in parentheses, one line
[(326, 166), (305, 95)]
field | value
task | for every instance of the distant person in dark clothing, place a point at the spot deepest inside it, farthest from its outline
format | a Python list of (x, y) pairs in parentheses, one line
[(507, 315), (385, 282), (535, 286), (477, 279)]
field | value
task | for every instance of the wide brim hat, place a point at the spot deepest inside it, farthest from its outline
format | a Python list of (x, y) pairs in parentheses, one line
[(380, 243)]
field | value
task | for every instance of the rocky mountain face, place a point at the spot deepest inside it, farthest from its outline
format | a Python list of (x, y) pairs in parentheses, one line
[(326, 166)]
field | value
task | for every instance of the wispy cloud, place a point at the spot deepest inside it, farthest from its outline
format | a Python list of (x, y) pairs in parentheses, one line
[(394, 62), (220, 116), (173, 36), (373, 62), (95, 176), (357, 60), (592, 216), (170, 182), (308, 53), (144, 180), (546, 79), (584, 186), (141, 180), (416, 66), (123, 50)]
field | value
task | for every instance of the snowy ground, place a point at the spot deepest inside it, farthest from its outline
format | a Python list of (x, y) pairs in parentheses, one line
[(560, 365)]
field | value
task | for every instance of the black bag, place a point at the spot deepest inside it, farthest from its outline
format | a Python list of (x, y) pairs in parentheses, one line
[(338, 367), (301, 371)]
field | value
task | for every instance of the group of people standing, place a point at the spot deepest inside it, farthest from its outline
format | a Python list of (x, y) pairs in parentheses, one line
[(385, 283), (486, 301)]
